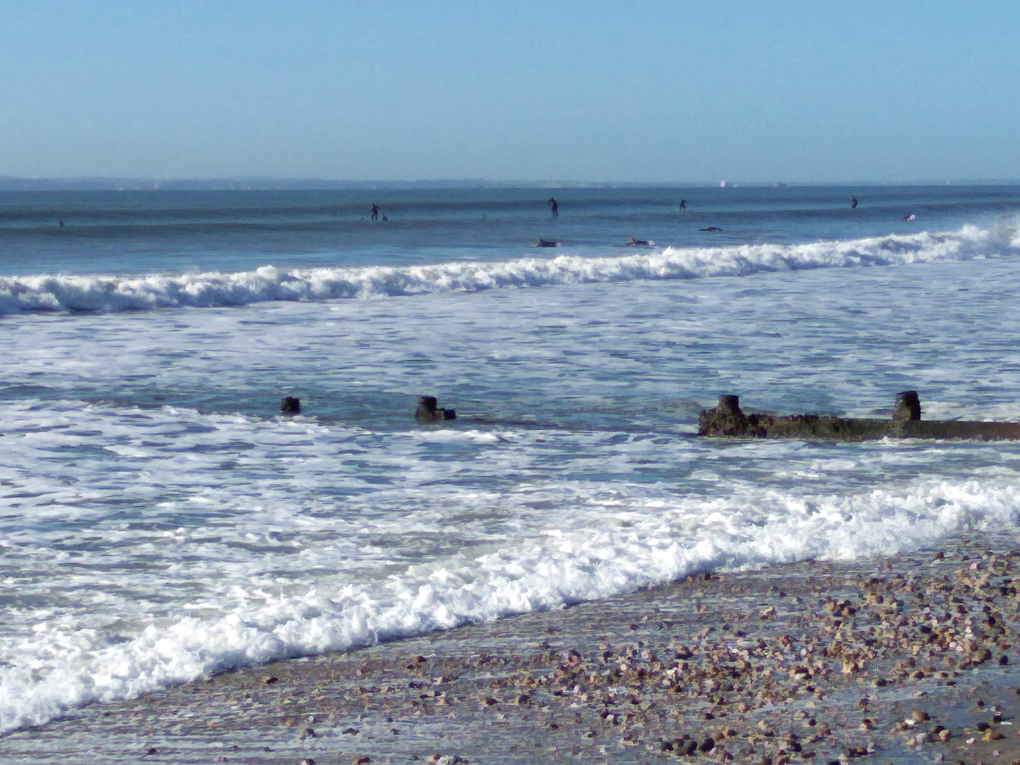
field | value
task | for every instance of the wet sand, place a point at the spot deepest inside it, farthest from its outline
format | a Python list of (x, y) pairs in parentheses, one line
[(910, 659)]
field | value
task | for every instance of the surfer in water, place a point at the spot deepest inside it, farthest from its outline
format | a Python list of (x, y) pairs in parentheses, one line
[(853, 203), (546, 243), (375, 212), (683, 205), (554, 208), (710, 228), (910, 216)]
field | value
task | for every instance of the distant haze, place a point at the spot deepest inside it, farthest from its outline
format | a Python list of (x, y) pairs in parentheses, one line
[(656, 92), (322, 184)]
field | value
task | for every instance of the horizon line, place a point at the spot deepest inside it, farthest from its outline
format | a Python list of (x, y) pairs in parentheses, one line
[(255, 183)]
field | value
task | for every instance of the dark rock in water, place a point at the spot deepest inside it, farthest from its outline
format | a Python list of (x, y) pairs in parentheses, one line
[(908, 406), (290, 405), (727, 419), (428, 411)]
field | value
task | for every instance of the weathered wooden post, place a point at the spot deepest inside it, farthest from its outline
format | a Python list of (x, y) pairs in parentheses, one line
[(908, 406), (725, 420), (428, 411), (729, 406)]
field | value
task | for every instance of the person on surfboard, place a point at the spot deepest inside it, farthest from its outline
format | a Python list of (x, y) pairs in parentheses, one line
[(553, 207)]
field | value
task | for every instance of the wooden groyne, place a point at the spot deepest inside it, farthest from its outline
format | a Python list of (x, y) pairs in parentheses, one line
[(727, 419), (429, 411)]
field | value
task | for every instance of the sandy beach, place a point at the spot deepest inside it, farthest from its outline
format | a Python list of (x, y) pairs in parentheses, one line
[(905, 659)]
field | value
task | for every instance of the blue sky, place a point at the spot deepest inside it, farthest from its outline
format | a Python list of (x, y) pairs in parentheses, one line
[(584, 91)]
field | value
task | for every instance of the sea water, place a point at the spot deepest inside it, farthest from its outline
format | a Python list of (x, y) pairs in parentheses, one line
[(160, 520)]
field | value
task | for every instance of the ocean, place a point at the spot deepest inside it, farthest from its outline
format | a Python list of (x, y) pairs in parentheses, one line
[(160, 520)]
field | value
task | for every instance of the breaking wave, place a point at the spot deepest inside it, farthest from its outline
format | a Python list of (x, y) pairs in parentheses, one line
[(114, 293), (739, 533)]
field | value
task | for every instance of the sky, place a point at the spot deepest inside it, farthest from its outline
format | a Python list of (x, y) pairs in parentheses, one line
[(571, 90)]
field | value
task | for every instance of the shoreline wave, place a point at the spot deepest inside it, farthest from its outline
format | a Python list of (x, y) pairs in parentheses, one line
[(102, 294), (560, 568)]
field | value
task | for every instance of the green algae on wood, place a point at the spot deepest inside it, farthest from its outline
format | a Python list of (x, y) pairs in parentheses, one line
[(727, 419)]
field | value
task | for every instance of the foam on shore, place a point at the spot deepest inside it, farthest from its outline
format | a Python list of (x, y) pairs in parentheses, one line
[(837, 660), (59, 671)]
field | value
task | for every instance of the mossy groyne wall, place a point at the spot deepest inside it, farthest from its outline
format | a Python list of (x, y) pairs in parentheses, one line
[(727, 419)]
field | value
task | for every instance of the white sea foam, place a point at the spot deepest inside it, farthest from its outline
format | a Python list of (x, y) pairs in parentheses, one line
[(143, 544), (634, 542), (114, 293)]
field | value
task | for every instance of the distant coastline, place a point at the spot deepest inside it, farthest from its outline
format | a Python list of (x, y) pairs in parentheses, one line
[(13, 183)]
